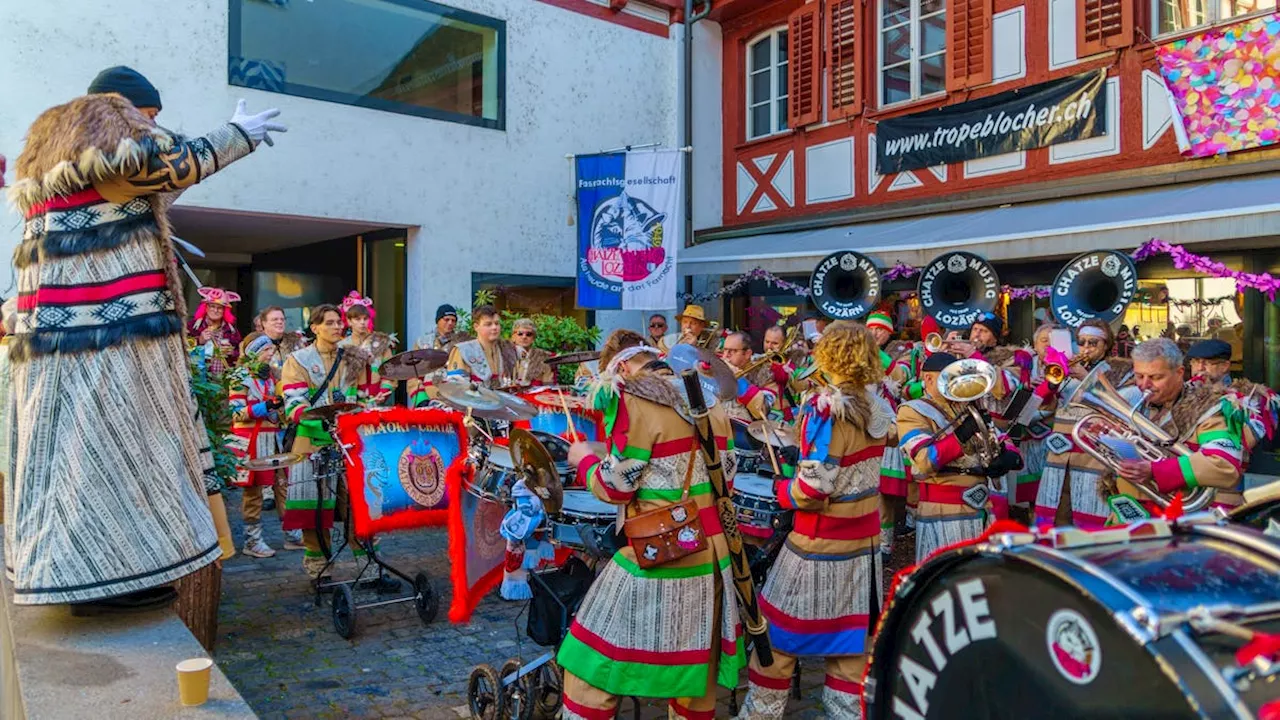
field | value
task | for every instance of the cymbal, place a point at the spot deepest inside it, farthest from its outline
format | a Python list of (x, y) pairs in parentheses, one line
[(772, 433), (539, 470), (519, 408), (466, 396), (573, 357), (326, 413), (413, 364), (274, 462), (684, 356)]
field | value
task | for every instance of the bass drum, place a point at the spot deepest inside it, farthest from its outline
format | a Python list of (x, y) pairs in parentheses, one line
[(1261, 514), (1015, 628)]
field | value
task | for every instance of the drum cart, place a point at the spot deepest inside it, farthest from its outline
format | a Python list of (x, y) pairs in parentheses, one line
[(332, 460)]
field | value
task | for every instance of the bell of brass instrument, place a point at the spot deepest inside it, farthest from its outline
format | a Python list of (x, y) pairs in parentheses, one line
[(1114, 417), (777, 356), (957, 288), (1095, 285), (1056, 375), (845, 285), (964, 382)]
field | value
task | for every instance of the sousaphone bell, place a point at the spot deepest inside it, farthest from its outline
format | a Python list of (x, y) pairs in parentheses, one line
[(845, 285), (1094, 285), (957, 288)]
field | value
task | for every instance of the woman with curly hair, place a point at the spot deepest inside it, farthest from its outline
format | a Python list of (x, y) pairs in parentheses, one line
[(825, 584)]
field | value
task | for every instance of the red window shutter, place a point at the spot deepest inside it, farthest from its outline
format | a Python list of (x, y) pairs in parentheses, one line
[(1103, 25), (844, 24), (804, 63), (968, 43)]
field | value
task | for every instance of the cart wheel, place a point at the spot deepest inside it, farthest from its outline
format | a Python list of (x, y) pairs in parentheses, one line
[(425, 598), (344, 612), (548, 690), (484, 693), (519, 697)]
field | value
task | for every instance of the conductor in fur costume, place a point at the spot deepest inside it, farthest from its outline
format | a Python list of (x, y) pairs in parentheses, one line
[(109, 494), (826, 582)]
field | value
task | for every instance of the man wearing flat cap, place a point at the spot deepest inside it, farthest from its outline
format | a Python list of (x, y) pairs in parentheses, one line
[(1210, 362)]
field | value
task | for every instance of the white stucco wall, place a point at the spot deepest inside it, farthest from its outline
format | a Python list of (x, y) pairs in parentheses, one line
[(481, 200), (708, 126)]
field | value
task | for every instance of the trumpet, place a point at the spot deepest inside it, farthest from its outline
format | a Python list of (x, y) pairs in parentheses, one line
[(933, 343), (1056, 375), (776, 356)]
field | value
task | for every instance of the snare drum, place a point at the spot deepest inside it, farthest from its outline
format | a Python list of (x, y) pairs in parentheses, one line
[(1015, 627), (587, 524), (748, 450), (495, 477), (760, 515)]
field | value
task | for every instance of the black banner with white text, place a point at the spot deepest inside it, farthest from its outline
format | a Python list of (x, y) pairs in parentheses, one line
[(1073, 108)]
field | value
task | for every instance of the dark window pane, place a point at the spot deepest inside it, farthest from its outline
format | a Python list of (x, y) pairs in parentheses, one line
[(760, 53), (933, 30), (782, 46), (759, 118), (759, 88), (895, 45), (782, 114), (416, 57), (932, 6), (895, 11), (932, 77), (783, 71), (896, 84)]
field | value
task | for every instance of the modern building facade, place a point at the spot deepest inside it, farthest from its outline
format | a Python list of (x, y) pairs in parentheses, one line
[(427, 143)]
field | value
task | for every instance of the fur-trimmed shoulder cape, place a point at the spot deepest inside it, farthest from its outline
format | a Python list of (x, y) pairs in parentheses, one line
[(863, 407), (1241, 401)]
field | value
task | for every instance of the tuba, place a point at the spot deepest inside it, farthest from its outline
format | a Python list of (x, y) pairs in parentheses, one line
[(845, 285), (1114, 418), (957, 288), (963, 383), (1095, 285)]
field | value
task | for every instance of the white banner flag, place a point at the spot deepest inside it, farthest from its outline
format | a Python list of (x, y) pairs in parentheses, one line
[(653, 229)]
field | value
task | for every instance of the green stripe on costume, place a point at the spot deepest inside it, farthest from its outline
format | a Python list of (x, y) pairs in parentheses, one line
[(1027, 478), (632, 678), (308, 504), (1207, 437), (635, 453), (731, 665), (1188, 474), (672, 495), (314, 430), (667, 573), (889, 472)]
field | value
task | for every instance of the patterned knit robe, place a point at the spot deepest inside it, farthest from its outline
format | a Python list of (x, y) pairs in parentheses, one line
[(108, 493)]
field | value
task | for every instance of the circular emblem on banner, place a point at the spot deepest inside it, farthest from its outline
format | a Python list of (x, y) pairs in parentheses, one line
[(422, 476), (1073, 646), (1110, 266), (956, 264), (848, 262), (626, 240)]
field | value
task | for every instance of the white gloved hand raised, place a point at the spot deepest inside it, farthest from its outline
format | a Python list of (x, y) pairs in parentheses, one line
[(257, 126)]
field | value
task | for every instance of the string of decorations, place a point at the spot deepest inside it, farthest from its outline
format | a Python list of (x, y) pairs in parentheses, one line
[(1183, 259)]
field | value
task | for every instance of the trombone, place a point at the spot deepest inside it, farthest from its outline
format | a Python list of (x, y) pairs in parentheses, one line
[(775, 356)]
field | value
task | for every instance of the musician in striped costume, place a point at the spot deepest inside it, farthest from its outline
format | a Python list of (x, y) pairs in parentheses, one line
[(111, 463), (893, 471), (671, 631), (357, 315), (1072, 480), (826, 583), (255, 425), (1220, 423), (954, 497)]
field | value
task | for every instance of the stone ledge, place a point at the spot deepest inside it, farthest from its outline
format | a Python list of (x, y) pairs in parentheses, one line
[(53, 665)]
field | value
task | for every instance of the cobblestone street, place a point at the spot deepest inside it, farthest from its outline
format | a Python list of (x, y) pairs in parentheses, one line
[(283, 655)]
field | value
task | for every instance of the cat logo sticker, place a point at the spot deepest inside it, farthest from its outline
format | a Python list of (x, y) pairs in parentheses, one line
[(1073, 646), (678, 513)]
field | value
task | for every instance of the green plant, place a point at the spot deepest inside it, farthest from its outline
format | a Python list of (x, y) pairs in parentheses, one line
[(555, 334), (211, 392)]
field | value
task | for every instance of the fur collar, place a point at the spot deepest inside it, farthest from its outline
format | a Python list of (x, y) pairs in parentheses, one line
[(90, 139), (355, 360), (1118, 370), (655, 387), (291, 342), (377, 344), (1198, 399), (863, 407), (535, 363)]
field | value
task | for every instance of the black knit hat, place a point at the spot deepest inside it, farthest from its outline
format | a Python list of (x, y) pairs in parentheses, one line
[(992, 322), (445, 311), (127, 82), (938, 361)]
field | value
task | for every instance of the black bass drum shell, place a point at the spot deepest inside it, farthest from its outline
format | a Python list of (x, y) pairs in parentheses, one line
[(1096, 285), (1031, 632)]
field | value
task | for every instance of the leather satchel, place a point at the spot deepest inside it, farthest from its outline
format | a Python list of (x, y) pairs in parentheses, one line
[(668, 533)]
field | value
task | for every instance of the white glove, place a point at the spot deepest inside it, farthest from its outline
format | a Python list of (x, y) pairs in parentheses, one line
[(257, 126)]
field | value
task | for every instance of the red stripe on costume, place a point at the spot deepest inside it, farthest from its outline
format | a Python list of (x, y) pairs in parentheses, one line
[(66, 202), (683, 445), (809, 491), (810, 627), (828, 527), (92, 293), (590, 713), (945, 494), (845, 686), (1027, 492), (710, 519), (766, 682), (1214, 452), (650, 657), (871, 451), (292, 386), (690, 713), (890, 485)]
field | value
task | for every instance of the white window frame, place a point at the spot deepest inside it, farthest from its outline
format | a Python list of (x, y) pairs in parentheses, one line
[(1213, 7), (774, 36), (913, 23)]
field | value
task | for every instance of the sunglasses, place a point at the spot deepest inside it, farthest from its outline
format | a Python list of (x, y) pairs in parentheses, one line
[(523, 333), (652, 325)]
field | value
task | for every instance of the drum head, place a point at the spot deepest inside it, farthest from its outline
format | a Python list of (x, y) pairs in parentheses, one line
[(500, 456), (584, 504), (742, 440), (753, 485), (1005, 638)]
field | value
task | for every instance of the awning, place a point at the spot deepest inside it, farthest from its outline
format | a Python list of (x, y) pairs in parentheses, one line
[(1231, 209)]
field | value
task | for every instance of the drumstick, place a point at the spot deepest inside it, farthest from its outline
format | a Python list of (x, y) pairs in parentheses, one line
[(471, 422), (773, 459), (568, 416)]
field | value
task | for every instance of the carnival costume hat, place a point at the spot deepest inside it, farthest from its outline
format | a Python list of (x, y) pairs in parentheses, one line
[(1210, 350), (353, 299), (128, 83), (693, 312), (217, 296), (992, 322), (938, 361), (879, 320)]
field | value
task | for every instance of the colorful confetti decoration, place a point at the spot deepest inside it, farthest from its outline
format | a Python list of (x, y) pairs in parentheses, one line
[(1226, 86)]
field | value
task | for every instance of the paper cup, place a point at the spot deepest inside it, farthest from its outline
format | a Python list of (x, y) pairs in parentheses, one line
[(193, 680)]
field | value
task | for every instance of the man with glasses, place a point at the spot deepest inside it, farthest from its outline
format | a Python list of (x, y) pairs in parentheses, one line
[(531, 362), (658, 331), (736, 353), (1210, 362)]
